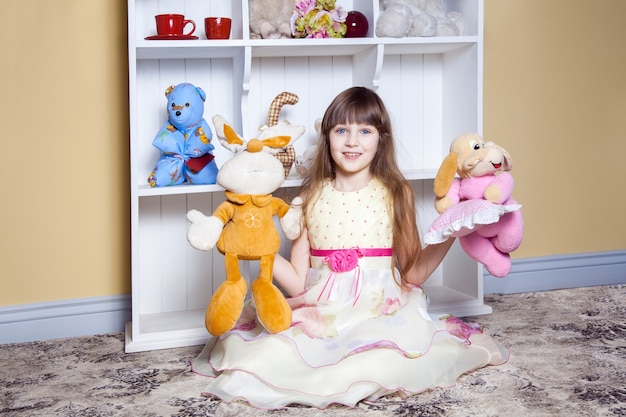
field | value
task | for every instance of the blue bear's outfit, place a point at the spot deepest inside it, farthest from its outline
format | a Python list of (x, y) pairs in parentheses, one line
[(184, 141)]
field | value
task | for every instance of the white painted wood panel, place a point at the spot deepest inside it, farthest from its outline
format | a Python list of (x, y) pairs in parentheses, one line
[(146, 257)]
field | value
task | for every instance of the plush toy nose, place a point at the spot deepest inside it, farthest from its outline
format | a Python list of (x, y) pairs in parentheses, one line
[(255, 145), (178, 113)]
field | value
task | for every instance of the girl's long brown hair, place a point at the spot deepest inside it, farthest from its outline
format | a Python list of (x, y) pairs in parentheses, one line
[(363, 106)]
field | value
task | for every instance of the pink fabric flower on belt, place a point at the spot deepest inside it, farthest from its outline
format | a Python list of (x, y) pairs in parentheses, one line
[(343, 260)]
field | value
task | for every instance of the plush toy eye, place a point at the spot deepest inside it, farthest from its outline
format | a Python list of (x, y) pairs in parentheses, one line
[(475, 145), (173, 105), (187, 104)]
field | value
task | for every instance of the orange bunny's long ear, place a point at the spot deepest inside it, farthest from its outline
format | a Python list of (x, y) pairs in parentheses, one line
[(231, 136), (445, 175), (277, 142)]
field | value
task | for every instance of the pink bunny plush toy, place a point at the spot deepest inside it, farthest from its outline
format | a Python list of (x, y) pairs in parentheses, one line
[(477, 207)]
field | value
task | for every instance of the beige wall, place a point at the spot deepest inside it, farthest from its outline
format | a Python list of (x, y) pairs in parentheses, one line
[(555, 96), (65, 229)]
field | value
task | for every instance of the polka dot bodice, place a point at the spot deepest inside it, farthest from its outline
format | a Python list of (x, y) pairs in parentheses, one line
[(342, 220)]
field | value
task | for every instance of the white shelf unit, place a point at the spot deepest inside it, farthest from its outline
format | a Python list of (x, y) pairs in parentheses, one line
[(431, 86)]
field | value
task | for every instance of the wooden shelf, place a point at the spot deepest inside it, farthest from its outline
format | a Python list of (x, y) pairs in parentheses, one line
[(432, 88)]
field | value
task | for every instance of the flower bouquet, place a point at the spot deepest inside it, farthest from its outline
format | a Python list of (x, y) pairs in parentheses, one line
[(318, 19)]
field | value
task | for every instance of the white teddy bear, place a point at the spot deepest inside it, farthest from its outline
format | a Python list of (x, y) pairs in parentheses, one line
[(411, 18), (270, 19), (303, 162)]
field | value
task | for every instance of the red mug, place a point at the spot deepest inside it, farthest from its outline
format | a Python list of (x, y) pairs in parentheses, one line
[(217, 27), (173, 24)]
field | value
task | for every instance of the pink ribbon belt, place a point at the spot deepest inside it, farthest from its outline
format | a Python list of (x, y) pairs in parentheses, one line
[(360, 252), (344, 260)]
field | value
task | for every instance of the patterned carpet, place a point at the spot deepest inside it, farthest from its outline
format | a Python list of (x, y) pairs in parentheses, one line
[(568, 359)]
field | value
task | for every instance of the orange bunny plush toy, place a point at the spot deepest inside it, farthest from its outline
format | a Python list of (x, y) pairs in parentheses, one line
[(478, 207), (242, 227)]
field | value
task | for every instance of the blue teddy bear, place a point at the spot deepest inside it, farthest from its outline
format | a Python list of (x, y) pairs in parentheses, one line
[(184, 140)]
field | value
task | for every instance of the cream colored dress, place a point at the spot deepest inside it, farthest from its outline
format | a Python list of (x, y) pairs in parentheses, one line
[(355, 333)]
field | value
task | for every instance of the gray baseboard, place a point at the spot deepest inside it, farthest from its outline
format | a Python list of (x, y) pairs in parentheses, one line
[(560, 271), (88, 316), (67, 318)]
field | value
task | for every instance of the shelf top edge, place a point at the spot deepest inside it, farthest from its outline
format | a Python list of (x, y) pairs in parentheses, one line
[(290, 182), (176, 49), (256, 43)]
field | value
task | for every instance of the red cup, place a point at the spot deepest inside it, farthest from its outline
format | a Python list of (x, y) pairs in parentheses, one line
[(173, 24), (217, 27)]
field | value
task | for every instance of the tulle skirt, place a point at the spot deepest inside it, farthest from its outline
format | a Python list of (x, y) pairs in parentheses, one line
[(355, 335)]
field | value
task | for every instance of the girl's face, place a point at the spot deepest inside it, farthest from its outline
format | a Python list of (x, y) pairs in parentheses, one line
[(353, 147)]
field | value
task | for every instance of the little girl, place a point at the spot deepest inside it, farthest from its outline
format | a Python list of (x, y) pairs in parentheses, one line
[(360, 326)]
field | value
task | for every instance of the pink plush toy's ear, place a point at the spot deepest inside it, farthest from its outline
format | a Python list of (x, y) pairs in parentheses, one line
[(445, 175)]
